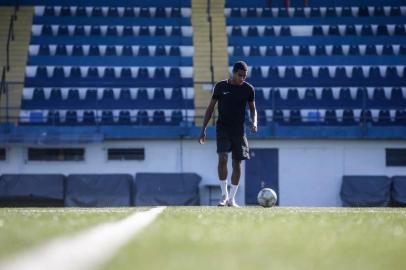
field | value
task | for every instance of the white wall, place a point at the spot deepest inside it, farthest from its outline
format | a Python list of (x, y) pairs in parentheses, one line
[(310, 171)]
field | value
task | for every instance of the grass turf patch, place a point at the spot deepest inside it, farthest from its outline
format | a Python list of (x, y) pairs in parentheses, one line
[(21, 228), (275, 238)]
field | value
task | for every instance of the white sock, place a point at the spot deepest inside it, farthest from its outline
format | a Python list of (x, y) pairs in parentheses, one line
[(233, 191), (223, 185)]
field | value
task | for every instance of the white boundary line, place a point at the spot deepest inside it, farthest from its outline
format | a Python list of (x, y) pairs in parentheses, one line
[(84, 250)]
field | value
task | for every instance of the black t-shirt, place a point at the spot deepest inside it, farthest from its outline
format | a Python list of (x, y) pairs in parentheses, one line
[(232, 101)]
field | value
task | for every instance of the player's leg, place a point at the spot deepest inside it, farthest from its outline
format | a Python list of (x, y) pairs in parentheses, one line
[(223, 147), (240, 152)]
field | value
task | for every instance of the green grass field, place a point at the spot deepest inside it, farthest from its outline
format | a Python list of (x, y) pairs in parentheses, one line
[(224, 238)]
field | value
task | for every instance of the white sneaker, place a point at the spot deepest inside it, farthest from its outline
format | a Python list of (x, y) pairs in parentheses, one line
[(223, 201), (232, 203)]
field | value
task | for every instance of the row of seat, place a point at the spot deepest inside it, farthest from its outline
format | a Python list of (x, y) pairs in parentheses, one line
[(109, 72), (91, 117), (112, 31), (325, 98), (317, 30), (330, 117), (337, 72), (110, 50), (107, 100), (362, 11), (321, 50), (158, 12)]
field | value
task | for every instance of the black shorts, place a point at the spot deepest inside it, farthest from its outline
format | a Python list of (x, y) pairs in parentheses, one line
[(237, 145)]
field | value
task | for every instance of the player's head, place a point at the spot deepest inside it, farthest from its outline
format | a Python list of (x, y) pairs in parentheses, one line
[(240, 69)]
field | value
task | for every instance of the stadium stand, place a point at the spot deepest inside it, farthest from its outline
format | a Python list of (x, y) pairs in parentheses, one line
[(110, 65)]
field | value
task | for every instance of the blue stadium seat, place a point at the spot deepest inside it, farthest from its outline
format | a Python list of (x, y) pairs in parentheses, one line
[(124, 99), (333, 30), (109, 74), (397, 99), (354, 50), (125, 73), (310, 99), (252, 31), (142, 74), (378, 100), (327, 98), (292, 100), (370, 50), (71, 118), (379, 12), (363, 11), (287, 51), (107, 118), (176, 118), (340, 75), (285, 31), (320, 50), (127, 51), (144, 31), (97, 12), (110, 51), (49, 11), (175, 13), (382, 30), (77, 50), (160, 31), (95, 31), (266, 12), (387, 50), (176, 31), (400, 30), (235, 12), (160, 12), (36, 117), (269, 31), (317, 30), (254, 51), (366, 30), (112, 12), (160, 51), (61, 50), (375, 74), (75, 73), (236, 31), (259, 97), (256, 73), (315, 12), (142, 96), (63, 30), (307, 75), (252, 12), (44, 50), (94, 50), (129, 12), (270, 51), (89, 118), (142, 118), (73, 99), (111, 31), (304, 50), (144, 12), (299, 12), (278, 117), (348, 118), (295, 118), (400, 118), (124, 118), (324, 74), (358, 74), (159, 97), (128, 31), (345, 100), (158, 118), (90, 100), (331, 12), (283, 12), (337, 50), (366, 116), (53, 118), (143, 51), (350, 30), (174, 73), (177, 96), (81, 12), (392, 74), (238, 51), (159, 74), (58, 73), (330, 118), (55, 98), (261, 118), (273, 73), (384, 118), (174, 51), (46, 30), (65, 11), (346, 12), (79, 30), (395, 11)]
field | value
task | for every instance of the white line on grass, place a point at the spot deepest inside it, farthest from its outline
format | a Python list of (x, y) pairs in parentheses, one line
[(84, 250)]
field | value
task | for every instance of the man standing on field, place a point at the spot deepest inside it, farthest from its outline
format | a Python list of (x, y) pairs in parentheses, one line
[(232, 96)]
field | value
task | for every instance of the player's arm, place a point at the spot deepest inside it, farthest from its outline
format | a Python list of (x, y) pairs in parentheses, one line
[(207, 116), (253, 114)]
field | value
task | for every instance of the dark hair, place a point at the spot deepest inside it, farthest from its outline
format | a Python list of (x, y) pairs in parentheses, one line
[(240, 65)]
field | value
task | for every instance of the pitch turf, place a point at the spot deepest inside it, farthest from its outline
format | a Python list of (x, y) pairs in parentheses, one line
[(249, 238)]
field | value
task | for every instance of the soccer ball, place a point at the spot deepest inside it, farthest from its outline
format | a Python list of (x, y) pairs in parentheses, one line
[(267, 197)]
